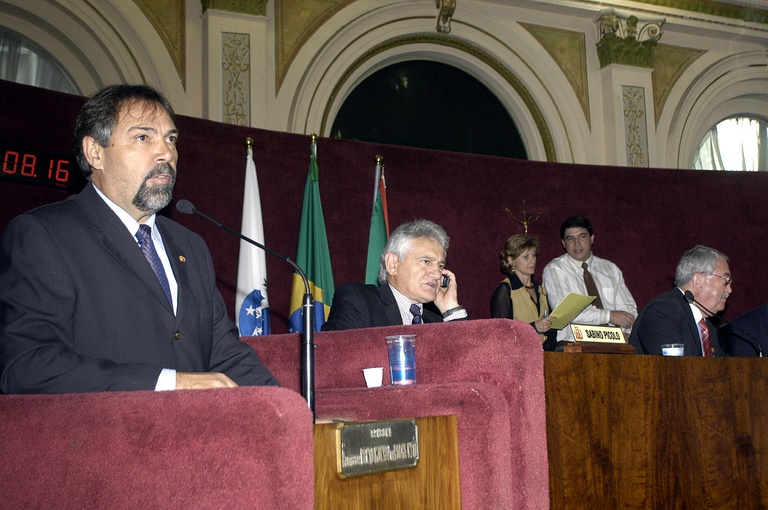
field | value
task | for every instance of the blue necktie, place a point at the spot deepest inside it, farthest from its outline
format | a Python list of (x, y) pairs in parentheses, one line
[(416, 311), (144, 236)]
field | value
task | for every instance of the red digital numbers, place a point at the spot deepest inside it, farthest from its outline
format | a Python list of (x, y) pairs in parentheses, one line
[(24, 165), (61, 173)]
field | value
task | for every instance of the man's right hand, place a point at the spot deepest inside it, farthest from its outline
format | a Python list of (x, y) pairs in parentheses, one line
[(622, 319), (203, 380)]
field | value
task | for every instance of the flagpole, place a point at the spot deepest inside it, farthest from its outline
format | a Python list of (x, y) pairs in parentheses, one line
[(307, 347)]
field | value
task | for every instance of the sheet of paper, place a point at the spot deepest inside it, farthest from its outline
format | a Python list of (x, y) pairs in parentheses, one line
[(569, 308)]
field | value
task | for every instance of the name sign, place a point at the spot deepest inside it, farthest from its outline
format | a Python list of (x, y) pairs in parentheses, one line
[(365, 448), (604, 334)]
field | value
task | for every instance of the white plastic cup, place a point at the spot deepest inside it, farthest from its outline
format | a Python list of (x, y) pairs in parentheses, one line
[(373, 376), (673, 350)]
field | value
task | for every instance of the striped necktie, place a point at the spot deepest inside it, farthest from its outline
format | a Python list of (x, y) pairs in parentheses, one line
[(144, 236), (416, 311), (706, 345)]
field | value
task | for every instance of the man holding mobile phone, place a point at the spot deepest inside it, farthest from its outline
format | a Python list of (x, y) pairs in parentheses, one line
[(415, 286)]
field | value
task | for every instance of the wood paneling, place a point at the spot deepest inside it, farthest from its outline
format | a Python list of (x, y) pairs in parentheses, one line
[(628, 431), (433, 483)]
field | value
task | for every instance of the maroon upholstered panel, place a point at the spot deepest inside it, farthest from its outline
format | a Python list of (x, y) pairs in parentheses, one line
[(233, 448), (483, 428), (503, 353)]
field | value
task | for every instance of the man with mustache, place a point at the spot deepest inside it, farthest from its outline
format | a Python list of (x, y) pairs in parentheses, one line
[(98, 292), (411, 269), (671, 318)]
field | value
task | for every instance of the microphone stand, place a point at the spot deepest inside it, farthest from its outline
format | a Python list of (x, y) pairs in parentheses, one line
[(307, 345)]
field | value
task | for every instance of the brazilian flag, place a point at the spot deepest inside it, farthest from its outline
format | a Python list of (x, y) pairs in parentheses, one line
[(312, 255)]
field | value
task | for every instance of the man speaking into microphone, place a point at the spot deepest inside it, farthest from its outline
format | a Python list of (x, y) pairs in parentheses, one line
[(98, 292), (681, 316)]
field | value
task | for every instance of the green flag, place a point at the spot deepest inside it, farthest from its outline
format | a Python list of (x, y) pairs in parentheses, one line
[(312, 255), (379, 231)]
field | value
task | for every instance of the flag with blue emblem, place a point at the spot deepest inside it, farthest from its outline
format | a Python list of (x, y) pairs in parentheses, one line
[(251, 297), (312, 254)]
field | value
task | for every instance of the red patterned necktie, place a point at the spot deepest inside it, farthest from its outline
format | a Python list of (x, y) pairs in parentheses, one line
[(706, 346)]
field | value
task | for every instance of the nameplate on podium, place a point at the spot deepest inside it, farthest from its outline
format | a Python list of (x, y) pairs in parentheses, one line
[(601, 334), (364, 448)]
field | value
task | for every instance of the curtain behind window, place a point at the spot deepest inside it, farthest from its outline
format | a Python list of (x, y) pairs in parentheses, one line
[(23, 62)]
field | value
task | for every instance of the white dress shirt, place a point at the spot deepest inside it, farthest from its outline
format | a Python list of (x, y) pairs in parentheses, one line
[(565, 274), (167, 379)]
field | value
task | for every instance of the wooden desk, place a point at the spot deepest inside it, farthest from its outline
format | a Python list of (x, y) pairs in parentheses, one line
[(629, 431), (433, 483)]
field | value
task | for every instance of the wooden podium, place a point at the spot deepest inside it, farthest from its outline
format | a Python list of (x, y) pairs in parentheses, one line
[(433, 483), (656, 431)]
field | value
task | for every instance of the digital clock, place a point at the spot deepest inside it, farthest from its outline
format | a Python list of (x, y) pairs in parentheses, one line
[(40, 167)]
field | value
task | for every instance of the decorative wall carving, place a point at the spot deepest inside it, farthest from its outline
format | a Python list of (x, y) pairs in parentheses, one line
[(446, 8), (236, 78), (635, 130), (626, 41)]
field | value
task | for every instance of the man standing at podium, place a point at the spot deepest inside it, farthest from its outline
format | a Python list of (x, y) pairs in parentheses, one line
[(412, 274), (702, 286), (581, 272), (100, 293)]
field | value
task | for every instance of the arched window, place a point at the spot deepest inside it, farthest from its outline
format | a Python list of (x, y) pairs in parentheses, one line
[(22, 61), (431, 105), (736, 143)]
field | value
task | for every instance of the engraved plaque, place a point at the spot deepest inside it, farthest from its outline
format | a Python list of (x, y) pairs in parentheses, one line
[(373, 447)]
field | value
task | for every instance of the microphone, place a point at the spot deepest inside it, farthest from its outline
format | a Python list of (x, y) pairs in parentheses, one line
[(743, 334), (307, 351)]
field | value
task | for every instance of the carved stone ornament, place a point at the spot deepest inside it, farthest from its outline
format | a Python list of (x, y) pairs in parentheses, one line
[(625, 40), (446, 8)]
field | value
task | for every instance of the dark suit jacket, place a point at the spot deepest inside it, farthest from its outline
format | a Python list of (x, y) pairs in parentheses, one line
[(668, 319), (356, 305), (83, 311), (748, 330)]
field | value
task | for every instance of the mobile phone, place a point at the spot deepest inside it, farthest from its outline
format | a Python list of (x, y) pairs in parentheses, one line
[(445, 281)]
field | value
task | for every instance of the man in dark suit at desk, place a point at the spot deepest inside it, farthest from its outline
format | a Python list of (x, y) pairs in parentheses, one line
[(702, 286), (97, 292), (412, 267)]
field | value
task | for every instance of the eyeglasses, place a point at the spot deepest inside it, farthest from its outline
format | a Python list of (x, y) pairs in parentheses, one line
[(727, 280)]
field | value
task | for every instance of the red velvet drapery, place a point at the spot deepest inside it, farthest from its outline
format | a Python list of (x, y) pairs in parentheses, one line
[(644, 219)]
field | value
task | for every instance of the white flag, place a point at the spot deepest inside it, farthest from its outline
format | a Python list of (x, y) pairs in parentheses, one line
[(251, 299)]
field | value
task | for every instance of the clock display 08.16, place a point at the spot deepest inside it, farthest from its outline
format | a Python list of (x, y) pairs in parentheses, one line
[(38, 167)]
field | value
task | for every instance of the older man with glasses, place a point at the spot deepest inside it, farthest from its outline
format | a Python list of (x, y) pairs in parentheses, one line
[(681, 316)]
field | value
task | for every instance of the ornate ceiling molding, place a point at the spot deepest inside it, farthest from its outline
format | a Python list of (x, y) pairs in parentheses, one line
[(252, 7)]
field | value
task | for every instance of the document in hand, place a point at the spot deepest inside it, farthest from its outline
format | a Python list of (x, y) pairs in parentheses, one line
[(569, 308)]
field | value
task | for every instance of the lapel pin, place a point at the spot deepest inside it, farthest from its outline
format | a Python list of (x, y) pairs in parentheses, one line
[(182, 258)]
